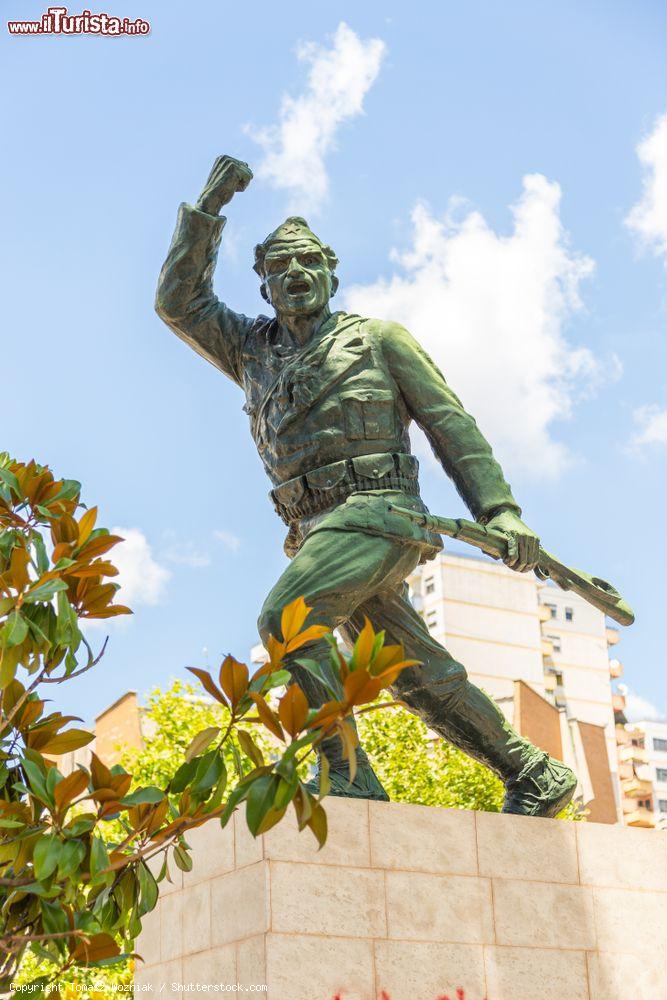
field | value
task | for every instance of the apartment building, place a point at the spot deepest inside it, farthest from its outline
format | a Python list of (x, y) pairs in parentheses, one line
[(642, 755), (541, 653)]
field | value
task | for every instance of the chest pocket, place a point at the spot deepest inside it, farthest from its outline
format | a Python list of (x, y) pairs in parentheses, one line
[(369, 414)]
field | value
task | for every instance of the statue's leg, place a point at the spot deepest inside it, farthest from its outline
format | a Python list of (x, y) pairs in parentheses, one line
[(441, 694), (335, 571)]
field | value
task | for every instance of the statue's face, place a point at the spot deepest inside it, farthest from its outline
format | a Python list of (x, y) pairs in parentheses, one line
[(297, 278)]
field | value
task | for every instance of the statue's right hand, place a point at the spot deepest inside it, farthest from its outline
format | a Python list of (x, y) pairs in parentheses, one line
[(226, 178)]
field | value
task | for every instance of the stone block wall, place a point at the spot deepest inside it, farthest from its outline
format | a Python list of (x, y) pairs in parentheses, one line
[(408, 902)]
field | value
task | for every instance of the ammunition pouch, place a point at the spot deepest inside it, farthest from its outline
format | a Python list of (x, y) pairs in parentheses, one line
[(321, 489)]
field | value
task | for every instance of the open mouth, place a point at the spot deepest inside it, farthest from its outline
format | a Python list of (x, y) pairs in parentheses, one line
[(298, 287)]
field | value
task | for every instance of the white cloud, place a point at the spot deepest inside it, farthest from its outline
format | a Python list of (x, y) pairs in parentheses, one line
[(652, 424), (491, 310), (141, 577), (638, 709), (230, 541), (339, 78), (648, 218), (183, 552)]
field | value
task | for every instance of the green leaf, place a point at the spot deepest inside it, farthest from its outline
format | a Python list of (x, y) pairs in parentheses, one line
[(182, 859), (208, 773), (6, 604), (318, 824), (238, 795), (99, 856), (72, 853), (285, 793), (269, 681), (315, 670), (37, 780), (15, 629), (45, 856), (148, 889), (45, 591), (183, 776), (260, 800), (250, 748), (201, 741), (143, 796), (54, 917), (10, 480), (42, 558)]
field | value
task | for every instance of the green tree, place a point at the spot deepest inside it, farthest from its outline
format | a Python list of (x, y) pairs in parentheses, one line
[(75, 879)]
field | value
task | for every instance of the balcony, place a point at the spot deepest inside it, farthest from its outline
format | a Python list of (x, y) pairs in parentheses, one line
[(612, 635), (639, 817), (618, 702), (632, 754), (544, 612), (636, 788), (615, 669), (547, 647)]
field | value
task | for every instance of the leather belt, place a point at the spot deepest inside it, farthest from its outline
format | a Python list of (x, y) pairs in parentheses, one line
[(326, 487)]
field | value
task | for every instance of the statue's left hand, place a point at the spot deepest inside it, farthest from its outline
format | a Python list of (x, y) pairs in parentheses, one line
[(524, 546)]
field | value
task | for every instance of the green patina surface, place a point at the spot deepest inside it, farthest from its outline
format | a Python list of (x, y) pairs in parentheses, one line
[(330, 398)]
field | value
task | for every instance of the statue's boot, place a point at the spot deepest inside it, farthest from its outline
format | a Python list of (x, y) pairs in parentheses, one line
[(543, 788), (536, 784)]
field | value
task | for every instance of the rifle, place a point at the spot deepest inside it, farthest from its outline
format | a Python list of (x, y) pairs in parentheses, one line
[(593, 589)]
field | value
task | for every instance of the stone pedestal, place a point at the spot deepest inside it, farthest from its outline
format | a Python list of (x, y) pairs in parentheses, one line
[(413, 903)]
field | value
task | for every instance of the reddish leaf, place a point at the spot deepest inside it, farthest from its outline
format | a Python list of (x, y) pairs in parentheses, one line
[(293, 710)]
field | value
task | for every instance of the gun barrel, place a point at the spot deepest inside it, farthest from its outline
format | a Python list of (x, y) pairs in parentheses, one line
[(596, 591)]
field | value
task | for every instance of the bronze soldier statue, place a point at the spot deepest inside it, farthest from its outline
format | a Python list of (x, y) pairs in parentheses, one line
[(330, 397)]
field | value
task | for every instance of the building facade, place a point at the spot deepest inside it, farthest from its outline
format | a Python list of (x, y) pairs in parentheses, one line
[(541, 653)]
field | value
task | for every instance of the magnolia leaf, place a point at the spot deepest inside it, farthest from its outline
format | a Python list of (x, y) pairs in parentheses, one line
[(15, 629), (44, 591), (182, 859), (73, 739), (94, 950), (250, 748), (233, 679), (86, 525), (363, 647), (143, 796), (318, 824), (268, 716), (260, 800), (201, 741), (293, 710), (69, 788), (292, 618), (317, 671), (46, 855), (311, 634), (209, 684), (148, 889)]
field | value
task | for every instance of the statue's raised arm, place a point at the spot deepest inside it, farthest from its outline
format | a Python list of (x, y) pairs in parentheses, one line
[(185, 299)]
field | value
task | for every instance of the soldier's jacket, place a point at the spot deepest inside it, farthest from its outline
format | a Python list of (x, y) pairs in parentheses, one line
[(351, 391)]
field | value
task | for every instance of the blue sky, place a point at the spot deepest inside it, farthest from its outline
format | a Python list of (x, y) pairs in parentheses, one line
[(497, 154)]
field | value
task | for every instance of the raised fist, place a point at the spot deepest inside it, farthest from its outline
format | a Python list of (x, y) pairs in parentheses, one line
[(226, 178)]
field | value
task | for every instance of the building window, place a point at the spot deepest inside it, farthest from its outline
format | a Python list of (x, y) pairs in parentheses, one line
[(569, 614), (661, 774), (645, 804), (429, 585), (432, 618), (662, 805), (660, 745), (555, 642), (553, 610)]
